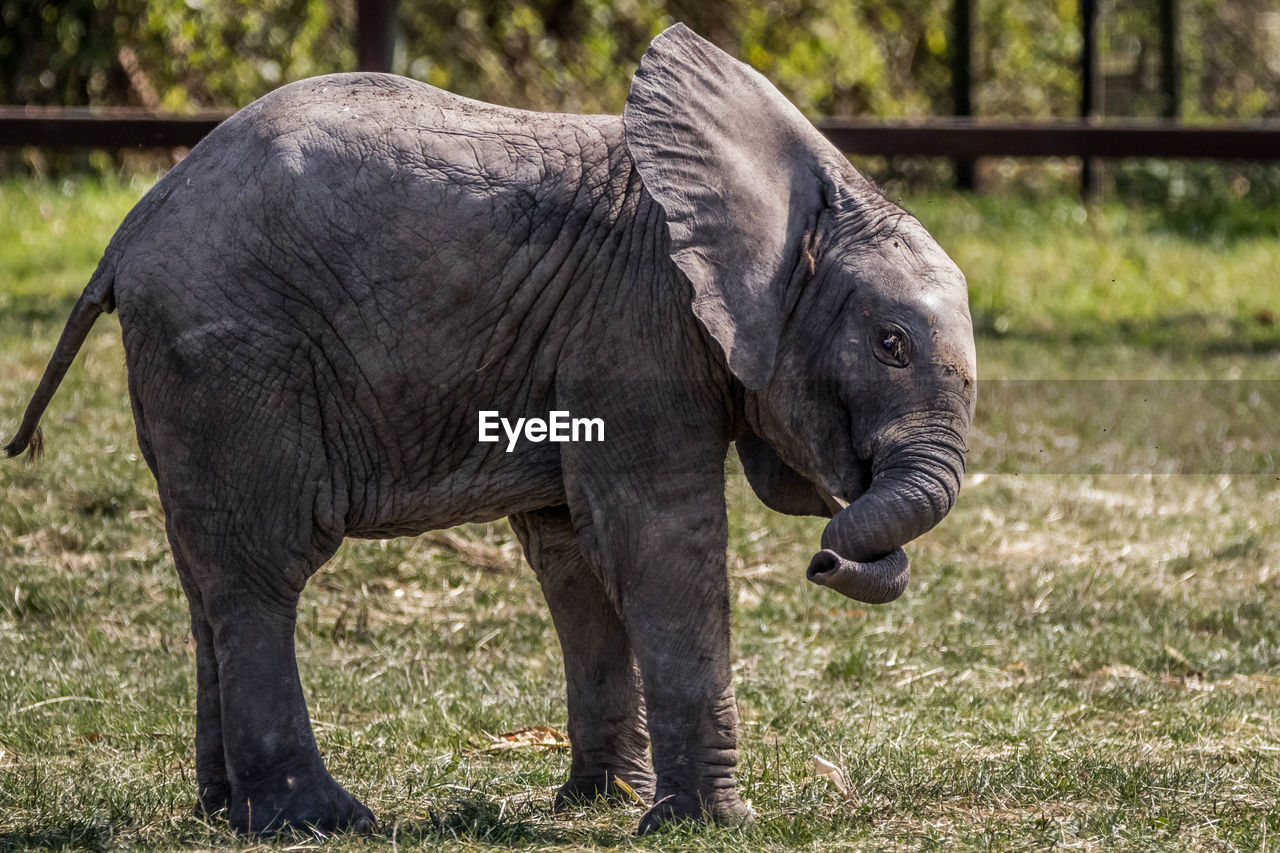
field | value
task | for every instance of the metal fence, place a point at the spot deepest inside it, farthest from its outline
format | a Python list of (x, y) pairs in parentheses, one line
[(962, 139), (955, 138)]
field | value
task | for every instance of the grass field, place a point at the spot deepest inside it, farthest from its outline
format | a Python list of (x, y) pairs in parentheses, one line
[(1089, 654)]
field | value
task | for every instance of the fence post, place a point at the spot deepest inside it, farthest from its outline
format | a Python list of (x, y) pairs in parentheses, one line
[(1088, 62), (1170, 84), (375, 21), (962, 78)]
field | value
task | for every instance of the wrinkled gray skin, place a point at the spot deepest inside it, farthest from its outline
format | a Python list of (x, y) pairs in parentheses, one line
[(318, 300)]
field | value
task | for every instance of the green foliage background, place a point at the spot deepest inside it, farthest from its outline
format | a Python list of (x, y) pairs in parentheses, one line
[(885, 58), (877, 57)]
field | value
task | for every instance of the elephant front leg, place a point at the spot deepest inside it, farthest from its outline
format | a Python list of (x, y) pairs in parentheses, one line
[(677, 613), (661, 543), (605, 703)]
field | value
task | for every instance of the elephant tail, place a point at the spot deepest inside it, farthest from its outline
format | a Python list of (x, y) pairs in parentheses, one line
[(98, 297)]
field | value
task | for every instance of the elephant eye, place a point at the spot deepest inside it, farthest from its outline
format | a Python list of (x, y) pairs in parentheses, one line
[(892, 346)]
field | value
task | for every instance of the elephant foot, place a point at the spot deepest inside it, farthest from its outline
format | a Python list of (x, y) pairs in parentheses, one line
[(724, 808), (213, 799), (582, 789), (300, 803)]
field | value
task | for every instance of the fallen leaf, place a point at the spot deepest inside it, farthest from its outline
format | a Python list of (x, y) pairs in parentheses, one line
[(529, 737), (628, 790), (825, 768)]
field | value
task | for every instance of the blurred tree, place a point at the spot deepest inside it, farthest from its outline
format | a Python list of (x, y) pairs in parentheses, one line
[(205, 53), (184, 54), (1233, 58), (877, 57), (831, 57), (881, 57), (61, 53)]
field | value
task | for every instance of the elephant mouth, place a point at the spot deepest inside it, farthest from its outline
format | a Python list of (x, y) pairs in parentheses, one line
[(853, 487), (834, 504)]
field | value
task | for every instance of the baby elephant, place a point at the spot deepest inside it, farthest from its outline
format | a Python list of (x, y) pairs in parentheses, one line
[(345, 287)]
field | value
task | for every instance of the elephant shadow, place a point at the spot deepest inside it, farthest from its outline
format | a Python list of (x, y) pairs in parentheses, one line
[(459, 816), (521, 822)]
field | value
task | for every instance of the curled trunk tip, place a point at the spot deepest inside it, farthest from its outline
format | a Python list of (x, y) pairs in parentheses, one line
[(876, 582)]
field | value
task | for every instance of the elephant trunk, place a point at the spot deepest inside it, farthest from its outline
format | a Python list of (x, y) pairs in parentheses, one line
[(912, 490)]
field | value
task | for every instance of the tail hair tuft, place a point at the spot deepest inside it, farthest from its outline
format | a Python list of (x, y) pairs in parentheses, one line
[(34, 447)]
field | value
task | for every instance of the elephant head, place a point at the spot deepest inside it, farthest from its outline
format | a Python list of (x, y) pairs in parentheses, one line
[(846, 324)]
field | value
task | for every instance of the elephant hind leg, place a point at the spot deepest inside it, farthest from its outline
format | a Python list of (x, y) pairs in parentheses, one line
[(252, 512), (213, 788), (271, 776), (610, 741)]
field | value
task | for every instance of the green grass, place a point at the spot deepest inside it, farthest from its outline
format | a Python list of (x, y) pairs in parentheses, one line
[(1089, 654), (1057, 270)]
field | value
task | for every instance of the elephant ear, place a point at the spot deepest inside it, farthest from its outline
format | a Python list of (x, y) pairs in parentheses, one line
[(736, 170), (779, 486)]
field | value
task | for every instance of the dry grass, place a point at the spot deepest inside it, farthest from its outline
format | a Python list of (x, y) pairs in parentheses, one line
[(1084, 660)]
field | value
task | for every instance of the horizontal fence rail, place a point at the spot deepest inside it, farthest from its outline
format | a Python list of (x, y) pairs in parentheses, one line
[(954, 138), (114, 127)]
